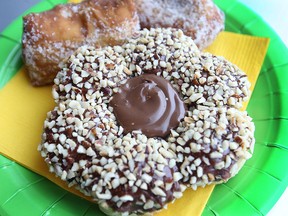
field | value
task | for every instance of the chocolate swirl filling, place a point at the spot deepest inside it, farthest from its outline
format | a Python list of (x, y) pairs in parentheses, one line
[(148, 103)]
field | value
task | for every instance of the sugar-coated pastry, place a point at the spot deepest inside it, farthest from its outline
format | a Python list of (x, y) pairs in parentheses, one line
[(137, 124), (200, 19), (52, 36)]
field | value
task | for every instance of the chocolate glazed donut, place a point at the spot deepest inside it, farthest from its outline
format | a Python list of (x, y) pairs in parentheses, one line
[(135, 141)]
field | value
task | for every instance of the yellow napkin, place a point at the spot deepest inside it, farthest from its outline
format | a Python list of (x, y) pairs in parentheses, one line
[(23, 110)]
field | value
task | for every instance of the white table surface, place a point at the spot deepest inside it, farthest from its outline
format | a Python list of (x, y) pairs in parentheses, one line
[(274, 12)]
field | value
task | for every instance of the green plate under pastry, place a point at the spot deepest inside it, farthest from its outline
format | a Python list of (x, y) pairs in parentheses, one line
[(253, 191)]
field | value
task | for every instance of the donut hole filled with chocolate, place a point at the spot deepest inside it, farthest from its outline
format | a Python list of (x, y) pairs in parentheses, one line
[(148, 103)]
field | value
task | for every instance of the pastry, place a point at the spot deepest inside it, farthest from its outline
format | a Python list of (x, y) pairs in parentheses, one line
[(137, 124), (51, 36), (200, 19)]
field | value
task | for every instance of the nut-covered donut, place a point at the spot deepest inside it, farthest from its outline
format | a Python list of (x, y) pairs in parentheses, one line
[(137, 124)]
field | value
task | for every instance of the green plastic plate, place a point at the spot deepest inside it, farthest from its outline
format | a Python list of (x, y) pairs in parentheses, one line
[(253, 191)]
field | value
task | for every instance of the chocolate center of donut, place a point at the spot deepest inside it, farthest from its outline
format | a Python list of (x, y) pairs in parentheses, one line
[(148, 103)]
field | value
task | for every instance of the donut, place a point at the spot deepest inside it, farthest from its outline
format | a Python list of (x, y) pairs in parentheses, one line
[(137, 124), (52, 36), (212, 145), (200, 19)]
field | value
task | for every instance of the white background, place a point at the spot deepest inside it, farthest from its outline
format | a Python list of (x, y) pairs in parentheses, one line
[(274, 12)]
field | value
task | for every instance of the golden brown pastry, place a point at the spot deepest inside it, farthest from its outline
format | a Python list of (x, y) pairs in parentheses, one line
[(200, 19), (51, 36)]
